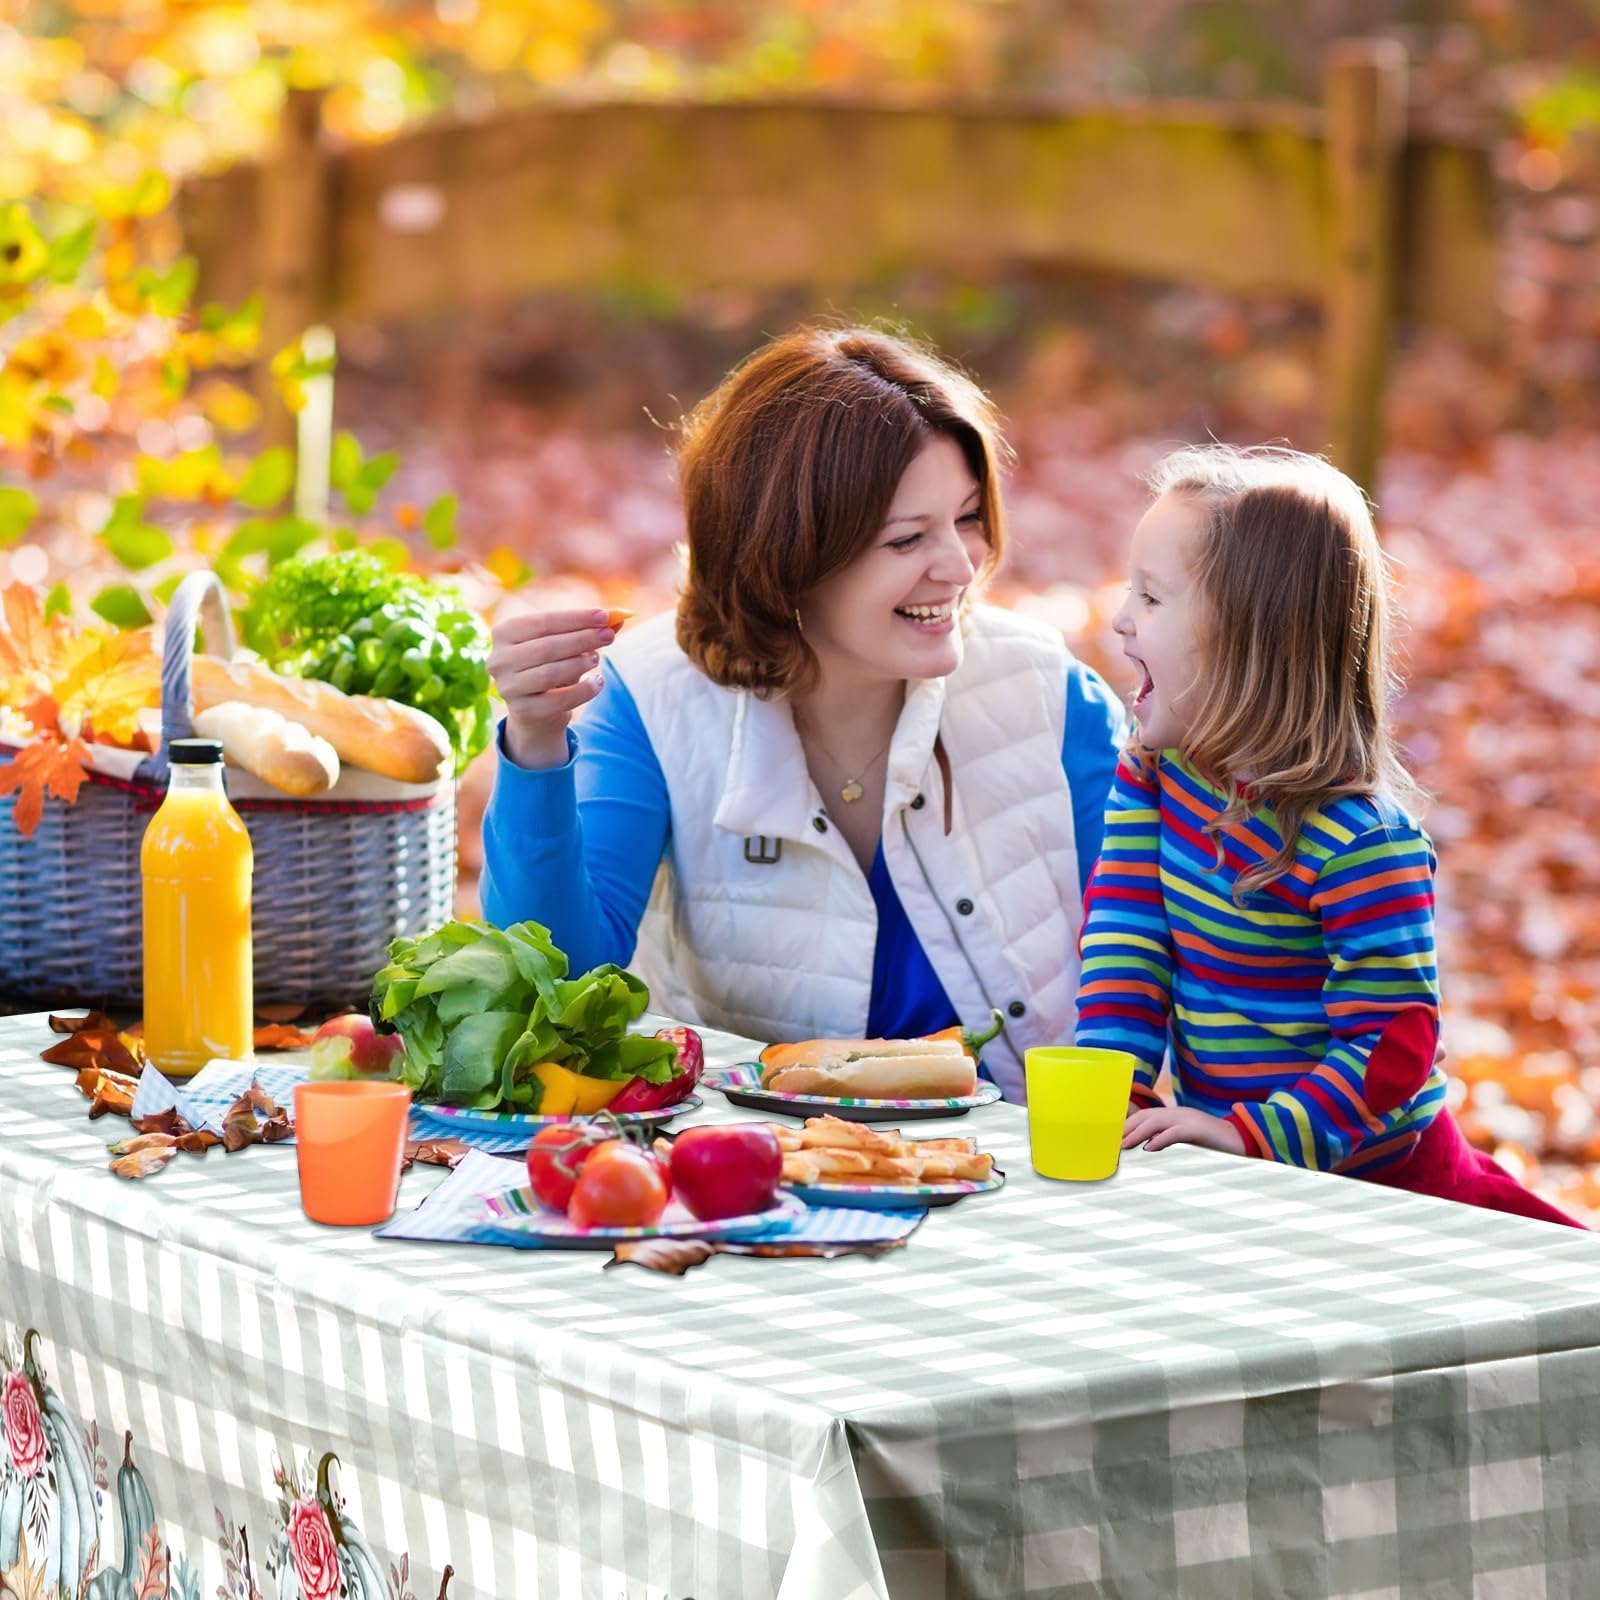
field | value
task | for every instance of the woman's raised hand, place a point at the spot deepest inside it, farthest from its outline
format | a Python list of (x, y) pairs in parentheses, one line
[(543, 664)]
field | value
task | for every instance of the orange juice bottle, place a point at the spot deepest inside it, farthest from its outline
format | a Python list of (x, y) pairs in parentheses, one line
[(196, 863)]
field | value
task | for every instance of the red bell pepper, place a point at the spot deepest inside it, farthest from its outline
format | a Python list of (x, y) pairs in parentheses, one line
[(639, 1094)]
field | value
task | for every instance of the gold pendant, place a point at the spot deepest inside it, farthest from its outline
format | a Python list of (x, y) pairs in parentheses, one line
[(851, 792)]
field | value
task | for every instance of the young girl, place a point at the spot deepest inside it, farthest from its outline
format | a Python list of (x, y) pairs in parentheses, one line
[(1263, 905)]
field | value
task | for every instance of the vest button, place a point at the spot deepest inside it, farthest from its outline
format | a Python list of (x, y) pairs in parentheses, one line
[(918, 803), (1017, 1009), (820, 824), (964, 907)]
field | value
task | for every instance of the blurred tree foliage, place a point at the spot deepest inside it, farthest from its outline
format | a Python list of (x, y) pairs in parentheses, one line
[(94, 92)]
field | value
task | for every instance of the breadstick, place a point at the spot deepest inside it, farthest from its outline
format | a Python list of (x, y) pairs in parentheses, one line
[(282, 753), (382, 736)]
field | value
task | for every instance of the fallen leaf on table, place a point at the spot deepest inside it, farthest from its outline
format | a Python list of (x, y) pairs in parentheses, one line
[(142, 1163), (98, 1044), (240, 1127), (434, 1153), (94, 1019), (143, 1141), (280, 1013), (196, 1141), (107, 1091), (167, 1121), (671, 1256), (281, 1036)]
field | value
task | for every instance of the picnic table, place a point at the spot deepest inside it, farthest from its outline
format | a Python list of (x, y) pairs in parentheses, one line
[(1205, 1377)]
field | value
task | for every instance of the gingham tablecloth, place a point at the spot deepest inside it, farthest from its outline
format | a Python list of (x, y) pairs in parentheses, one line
[(1206, 1377)]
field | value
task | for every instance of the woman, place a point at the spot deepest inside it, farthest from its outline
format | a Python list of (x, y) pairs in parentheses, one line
[(833, 795)]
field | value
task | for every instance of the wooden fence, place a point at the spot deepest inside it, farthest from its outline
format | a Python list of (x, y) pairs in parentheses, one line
[(1348, 207)]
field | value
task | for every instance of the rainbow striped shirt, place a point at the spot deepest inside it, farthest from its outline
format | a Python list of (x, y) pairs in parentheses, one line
[(1308, 1017)]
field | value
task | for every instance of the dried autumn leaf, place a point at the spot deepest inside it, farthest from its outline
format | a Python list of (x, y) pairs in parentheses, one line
[(106, 682), (434, 1153), (240, 1127), (196, 1141), (673, 1257), (281, 1036), (142, 1163), (31, 647), (92, 1019), (50, 766), (143, 1141), (98, 1044)]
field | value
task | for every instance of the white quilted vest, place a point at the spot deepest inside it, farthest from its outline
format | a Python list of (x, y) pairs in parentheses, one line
[(761, 921)]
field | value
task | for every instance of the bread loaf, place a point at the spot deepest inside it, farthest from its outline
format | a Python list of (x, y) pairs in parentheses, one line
[(381, 736), (283, 753)]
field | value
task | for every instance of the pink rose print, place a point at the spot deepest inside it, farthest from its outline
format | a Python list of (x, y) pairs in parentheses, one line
[(24, 1428), (316, 1560)]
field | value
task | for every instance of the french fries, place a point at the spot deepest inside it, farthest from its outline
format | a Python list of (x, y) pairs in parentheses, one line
[(831, 1150)]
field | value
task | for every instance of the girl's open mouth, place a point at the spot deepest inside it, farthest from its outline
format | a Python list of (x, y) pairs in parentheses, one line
[(1146, 685)]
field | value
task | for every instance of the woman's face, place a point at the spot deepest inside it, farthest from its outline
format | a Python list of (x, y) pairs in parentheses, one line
[(894, 612)]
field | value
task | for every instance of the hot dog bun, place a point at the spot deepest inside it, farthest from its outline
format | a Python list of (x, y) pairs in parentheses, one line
[(909, 1069)]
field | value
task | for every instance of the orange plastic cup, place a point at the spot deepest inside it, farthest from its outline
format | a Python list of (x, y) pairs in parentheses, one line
[(351, 1139)]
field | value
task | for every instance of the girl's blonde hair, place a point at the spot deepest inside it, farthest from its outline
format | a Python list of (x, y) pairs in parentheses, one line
[(1293, 626)]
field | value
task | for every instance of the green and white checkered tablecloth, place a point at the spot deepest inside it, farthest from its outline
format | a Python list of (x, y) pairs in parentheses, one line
[(1206, 1378)]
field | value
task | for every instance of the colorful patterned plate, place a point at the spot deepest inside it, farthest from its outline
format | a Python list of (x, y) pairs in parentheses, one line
[(742, 1085), (895, 1196), (456, 1119), (517, 1211)]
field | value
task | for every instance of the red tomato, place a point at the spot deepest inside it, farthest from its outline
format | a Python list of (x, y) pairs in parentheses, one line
[(555, 1158), (621, 1186)]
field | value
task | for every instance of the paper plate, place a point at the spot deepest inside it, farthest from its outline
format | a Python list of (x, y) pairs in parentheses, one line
[(742, 1085), (458, 1120), (518, 1212), (894, 1196)]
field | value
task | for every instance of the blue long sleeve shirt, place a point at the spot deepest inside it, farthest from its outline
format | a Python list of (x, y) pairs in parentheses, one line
[(577, 847)]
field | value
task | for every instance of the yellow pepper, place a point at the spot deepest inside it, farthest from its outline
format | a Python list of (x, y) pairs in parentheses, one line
[(595, 1094), (573, 1094), (560, 1089)]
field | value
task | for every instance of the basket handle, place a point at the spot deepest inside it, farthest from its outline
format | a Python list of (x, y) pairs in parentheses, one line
[(198, 604)]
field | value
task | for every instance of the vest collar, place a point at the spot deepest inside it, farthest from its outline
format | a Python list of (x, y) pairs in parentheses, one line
[(769, 793)]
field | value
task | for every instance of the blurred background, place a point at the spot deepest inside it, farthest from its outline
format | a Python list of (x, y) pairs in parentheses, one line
[(531, 233)]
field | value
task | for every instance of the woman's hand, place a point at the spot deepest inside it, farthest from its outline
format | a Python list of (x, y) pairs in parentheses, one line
[(1156, 1127), (543, 665)]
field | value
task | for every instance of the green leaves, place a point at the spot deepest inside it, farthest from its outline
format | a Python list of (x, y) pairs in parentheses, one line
[(270, 478), (359, 478), (135, 543), (439, 522), (122, 606), (17, 508), (481, 1007), (69, 252)]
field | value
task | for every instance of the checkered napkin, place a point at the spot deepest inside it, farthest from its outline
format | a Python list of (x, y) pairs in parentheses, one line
[(455, 1213), (203, 1101)]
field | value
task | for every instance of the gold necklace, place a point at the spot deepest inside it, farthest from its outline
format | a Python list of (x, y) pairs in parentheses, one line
[(852, 789)]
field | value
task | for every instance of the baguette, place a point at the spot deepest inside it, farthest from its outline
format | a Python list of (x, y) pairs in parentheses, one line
[(277, 751), (381, 736), (927, 1075)]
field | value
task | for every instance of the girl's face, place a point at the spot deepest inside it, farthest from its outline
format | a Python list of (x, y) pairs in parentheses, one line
[(1157, 620), (894, 611)]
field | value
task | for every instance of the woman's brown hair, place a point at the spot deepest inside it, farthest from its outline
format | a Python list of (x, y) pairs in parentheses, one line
[(1293, 625), (788, 471)]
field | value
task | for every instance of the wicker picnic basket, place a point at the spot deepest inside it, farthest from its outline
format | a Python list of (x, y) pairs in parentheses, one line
[(335, 879)]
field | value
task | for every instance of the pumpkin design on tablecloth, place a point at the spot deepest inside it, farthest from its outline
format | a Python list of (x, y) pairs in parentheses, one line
[(54, 1482)]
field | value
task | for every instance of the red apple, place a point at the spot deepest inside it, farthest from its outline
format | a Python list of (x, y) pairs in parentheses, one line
[(727, 1172), (351, 1047)]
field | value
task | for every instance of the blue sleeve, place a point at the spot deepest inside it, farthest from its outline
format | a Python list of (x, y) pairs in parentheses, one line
[(577, 847), (1097, 728)]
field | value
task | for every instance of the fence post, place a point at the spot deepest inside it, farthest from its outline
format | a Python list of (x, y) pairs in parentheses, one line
[(292, 241), (1365, 100)]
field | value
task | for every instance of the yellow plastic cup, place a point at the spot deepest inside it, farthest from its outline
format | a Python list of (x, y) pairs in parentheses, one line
[(1077, 1105)]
